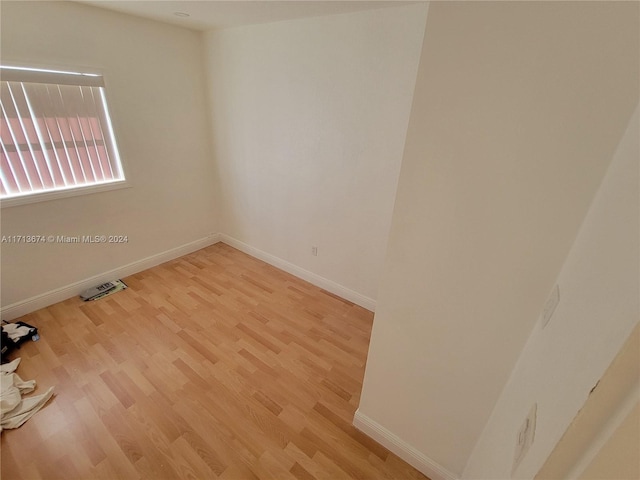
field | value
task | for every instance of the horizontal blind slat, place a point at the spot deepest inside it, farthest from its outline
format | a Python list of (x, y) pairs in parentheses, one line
[(59, 78)]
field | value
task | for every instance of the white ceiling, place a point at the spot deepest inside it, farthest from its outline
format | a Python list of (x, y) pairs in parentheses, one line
[(210, 14)]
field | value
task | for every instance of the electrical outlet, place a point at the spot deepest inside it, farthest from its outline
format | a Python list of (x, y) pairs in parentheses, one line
[(525, 436), (550, 306), (314, 251)]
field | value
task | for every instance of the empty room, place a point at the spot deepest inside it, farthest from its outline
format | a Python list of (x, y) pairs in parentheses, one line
[(320, 240)]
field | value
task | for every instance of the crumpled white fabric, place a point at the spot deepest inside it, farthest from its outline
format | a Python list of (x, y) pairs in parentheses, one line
[(16, 331), (15, 410), (10, 367)]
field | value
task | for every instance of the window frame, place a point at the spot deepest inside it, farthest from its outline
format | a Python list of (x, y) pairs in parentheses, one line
[(74, 191)]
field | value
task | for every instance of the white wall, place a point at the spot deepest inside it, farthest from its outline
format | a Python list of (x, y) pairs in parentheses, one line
[(156, 90), (518, 109), (309, 123), (618, 457), (599, 308)]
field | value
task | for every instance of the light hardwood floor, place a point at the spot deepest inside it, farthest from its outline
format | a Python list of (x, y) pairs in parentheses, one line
[(214, 365)]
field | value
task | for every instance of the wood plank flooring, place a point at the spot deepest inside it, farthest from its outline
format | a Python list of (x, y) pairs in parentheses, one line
[(213, 365)]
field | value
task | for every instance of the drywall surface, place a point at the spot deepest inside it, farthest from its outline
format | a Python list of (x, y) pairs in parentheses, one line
[(608, 404), (598, 309), (518, 110), (618, 458), (309, 123), (156, 94)]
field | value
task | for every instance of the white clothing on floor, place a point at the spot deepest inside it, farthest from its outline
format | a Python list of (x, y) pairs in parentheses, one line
[(15, 410)]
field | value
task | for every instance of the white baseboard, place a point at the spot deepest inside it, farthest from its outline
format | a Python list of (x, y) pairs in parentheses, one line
[(32, 304), (398, 446), (317, 280)]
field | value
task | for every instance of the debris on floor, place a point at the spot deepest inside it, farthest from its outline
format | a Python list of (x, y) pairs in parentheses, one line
[(15, 410), (104, 290), (14, 334)]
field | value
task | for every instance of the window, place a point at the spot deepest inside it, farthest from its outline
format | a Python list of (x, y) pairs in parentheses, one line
[(56, 135)]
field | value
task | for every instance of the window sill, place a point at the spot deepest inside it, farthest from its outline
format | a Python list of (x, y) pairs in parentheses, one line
[(64, 193)]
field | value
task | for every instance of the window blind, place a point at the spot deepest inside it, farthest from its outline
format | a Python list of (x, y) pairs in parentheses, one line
[(55, 132)]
